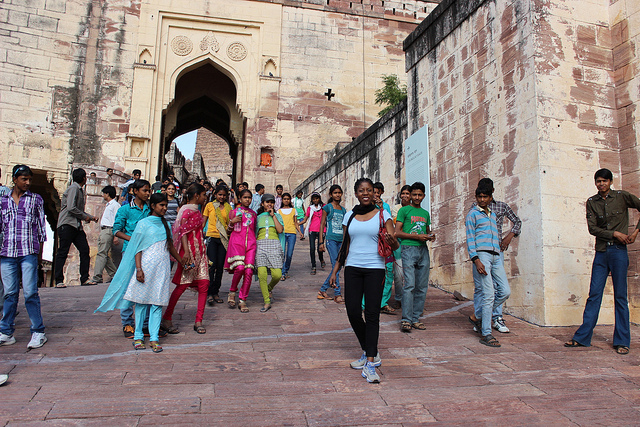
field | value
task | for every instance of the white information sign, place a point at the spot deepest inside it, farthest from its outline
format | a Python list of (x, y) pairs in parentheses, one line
[(416, 161)]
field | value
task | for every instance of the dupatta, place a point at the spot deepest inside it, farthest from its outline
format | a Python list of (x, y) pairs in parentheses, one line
[(149, 231), (189, 219)]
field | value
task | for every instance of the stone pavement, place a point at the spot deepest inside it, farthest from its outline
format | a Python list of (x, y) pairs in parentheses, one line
[(290, 367)]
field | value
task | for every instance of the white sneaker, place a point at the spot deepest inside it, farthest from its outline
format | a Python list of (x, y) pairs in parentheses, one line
[(6, 339), (369, 373), (498, 325), (37, 340), (359, 364)]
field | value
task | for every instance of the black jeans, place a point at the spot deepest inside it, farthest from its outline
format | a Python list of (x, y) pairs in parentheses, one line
[(216, 253), (314, 244), (370, 283), (66, 236)]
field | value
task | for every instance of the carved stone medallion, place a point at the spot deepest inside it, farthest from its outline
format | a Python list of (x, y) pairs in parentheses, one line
[(236, 51), (181, 45)]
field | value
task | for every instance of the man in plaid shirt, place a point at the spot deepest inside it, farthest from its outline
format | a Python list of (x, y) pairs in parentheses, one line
[(23, 231), (501, 210)]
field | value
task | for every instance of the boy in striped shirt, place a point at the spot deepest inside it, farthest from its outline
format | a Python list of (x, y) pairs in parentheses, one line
[(489, 277)]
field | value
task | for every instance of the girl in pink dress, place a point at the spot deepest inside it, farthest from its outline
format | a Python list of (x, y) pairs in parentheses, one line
[(241, 253), (189, 242)]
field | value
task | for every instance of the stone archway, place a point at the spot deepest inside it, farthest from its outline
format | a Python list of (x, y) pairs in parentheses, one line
[(205, 97)]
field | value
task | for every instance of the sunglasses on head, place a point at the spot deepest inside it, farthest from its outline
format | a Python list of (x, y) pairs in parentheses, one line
[(19, 169)]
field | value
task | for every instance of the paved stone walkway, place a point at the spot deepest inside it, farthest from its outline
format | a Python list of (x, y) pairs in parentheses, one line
[(290, 367)]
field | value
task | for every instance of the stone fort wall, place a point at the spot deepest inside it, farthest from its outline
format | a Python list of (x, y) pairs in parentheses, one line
[(536, 95), (67, 73)]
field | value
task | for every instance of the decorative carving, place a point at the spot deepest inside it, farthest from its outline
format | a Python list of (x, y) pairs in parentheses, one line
[(137, 148), (236, 51), (181, 45), (209, 42)]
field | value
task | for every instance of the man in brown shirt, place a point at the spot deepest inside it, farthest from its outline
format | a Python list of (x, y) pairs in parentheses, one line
[(608, 220)]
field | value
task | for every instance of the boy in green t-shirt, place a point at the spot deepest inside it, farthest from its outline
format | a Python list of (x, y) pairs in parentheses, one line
[(412, 227)]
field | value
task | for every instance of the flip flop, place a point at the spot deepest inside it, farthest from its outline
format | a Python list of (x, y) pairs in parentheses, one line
[(199, 329), (419, 325), (621, 349), (323, 295), (266, 308), (573, 343)]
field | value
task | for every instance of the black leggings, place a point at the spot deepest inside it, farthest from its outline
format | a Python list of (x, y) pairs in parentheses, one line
[(314, 244), (370, 283), (216, 253)]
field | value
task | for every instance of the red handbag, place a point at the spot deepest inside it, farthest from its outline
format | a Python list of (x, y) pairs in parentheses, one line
[(384, 249)]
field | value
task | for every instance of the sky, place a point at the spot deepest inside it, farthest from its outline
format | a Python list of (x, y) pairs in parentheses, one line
[(187, 144)]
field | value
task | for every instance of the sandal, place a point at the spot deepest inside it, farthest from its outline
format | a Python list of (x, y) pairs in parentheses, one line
[(573, 343), (89, 283), (405, 326), (338, 299), (271, 296), (266, 308), (231, 300), (217, 299), (155, 347), (313, 271), (489, 341), (199, 329), (170, 329), (323, 264), (477, 324), (621, 349), (138, 345), (283, 278), (419, 325), (388, 310), (323, 295), (210, 301), (243, 307)]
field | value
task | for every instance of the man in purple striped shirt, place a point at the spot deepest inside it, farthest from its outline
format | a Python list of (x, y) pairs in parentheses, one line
[(23, 231)]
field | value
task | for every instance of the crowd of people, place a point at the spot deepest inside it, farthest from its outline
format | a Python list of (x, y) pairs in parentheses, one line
[(189, 238)]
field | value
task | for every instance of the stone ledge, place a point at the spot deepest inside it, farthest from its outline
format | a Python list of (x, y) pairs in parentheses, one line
[(441, 22)]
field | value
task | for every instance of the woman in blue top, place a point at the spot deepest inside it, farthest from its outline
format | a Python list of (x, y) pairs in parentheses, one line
[(364, 274)]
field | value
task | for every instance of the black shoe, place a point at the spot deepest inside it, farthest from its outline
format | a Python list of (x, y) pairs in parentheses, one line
[(128, 331)]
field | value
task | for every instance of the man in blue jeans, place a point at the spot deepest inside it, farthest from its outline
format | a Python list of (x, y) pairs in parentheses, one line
[(489, 277), (412, 228), (22, 224), (608, 220)]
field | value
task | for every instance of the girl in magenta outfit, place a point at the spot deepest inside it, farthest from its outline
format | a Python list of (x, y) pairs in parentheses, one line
[(314, 211), (241, 253)]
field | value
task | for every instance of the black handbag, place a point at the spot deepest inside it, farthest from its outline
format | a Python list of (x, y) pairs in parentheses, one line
[(346, 241)]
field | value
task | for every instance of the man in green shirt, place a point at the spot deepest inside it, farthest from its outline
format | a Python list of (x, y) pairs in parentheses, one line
[(412, 227), (608, 220)]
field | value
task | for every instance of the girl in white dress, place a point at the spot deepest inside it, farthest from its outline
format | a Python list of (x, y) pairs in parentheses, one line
[(149, 286)]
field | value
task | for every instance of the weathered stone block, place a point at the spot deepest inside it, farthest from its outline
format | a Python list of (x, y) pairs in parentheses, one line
[(56, 5), (18, 18), (42, 23)]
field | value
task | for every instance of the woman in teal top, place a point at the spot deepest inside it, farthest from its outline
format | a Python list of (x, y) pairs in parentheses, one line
[(270, 253)]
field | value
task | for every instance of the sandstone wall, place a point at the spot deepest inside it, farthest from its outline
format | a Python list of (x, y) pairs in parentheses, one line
[(376, 154), (87, 82), (536, 95), (215, 154)]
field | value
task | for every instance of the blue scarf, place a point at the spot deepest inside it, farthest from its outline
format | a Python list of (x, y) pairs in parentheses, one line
[(148, 231)]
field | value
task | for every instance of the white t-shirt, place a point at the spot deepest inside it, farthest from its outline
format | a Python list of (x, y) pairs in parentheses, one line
[(363, 249)]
